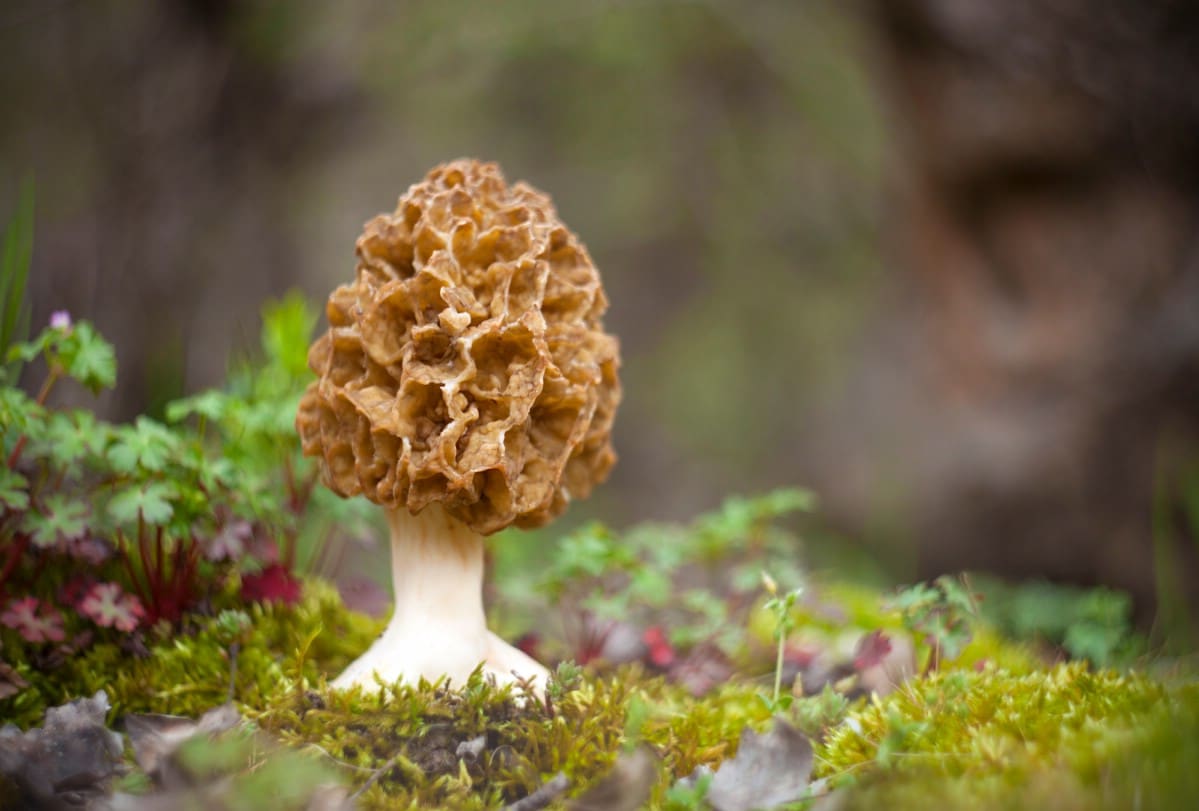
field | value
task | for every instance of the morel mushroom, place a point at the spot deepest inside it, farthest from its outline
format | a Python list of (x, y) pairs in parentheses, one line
[(465, 385)]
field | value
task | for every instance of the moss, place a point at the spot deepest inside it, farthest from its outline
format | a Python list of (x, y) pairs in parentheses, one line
[(1001, 739), (1150, 764), (186, 674), (525, 741), (990, 731)]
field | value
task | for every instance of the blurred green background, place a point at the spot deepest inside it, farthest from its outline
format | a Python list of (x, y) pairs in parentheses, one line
[(729, 166), (720, 163)]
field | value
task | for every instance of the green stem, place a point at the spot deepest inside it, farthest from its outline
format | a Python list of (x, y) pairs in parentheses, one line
[(934, 658), (778, 668)]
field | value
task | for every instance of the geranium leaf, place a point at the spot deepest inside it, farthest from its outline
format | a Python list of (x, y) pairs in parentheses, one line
[(152, 502), (147, 445), (211, 405), (13, 489), (88, 358), (60, 518)]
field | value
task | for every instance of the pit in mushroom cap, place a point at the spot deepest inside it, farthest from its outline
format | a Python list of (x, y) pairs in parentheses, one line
[(467, 363)]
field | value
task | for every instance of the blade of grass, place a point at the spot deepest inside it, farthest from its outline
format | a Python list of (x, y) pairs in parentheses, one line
[(1172, 625), (15, 259)]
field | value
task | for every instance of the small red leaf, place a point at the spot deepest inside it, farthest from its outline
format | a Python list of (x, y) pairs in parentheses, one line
[(661, 652), (274, 584), (34, 620), (107, 605), (871, 651)]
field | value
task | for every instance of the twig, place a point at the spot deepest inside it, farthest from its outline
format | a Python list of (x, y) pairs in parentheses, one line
[(543, 796), (337, 761), (374, 778)]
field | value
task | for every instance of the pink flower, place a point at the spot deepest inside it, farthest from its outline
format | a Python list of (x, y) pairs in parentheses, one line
[(274, 584), (34, 621), (60, 319), (108, 606)]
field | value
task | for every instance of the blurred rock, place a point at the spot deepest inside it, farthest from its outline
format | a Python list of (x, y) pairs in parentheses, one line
[(67, 762), (1040, 351)]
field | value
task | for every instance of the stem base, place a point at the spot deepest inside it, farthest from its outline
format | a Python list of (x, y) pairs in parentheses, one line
[(438, 628)]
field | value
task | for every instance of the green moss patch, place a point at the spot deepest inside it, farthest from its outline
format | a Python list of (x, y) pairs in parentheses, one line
[(483, 747), (1000, 739), (993, 730), (189, 673)]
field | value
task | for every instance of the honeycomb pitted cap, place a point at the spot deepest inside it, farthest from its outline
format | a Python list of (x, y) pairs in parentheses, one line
[(467, 363)]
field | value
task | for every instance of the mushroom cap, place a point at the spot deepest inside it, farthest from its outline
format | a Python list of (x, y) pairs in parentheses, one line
[(467, 363)]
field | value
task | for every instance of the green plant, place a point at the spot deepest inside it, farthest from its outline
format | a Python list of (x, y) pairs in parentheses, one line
[(815, 715), (942, 613), (169, 520), (691, 585), (248, 655), (1088, 623), (688, 796), (250, 425), (782, 608)]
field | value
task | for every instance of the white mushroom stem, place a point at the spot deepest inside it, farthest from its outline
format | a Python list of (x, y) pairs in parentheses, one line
[(438, 628)]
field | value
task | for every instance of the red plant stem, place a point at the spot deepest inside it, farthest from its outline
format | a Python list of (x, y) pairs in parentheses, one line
[(39, 566), (51, 379), (193, 562), (176, 564), (42, 395), (289, 550), (306, 493), (137, 585), (182, 573), (14, 557), (289, 479), (143, 554), (16, 452), (159, 566)]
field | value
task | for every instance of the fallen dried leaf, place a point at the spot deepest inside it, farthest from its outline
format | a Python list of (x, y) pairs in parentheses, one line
[(893, 668), (768, 771), (626, 788), (11, 682), (871, 650), (156, 738), (472, 748), (66, 762), (545, 794)]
